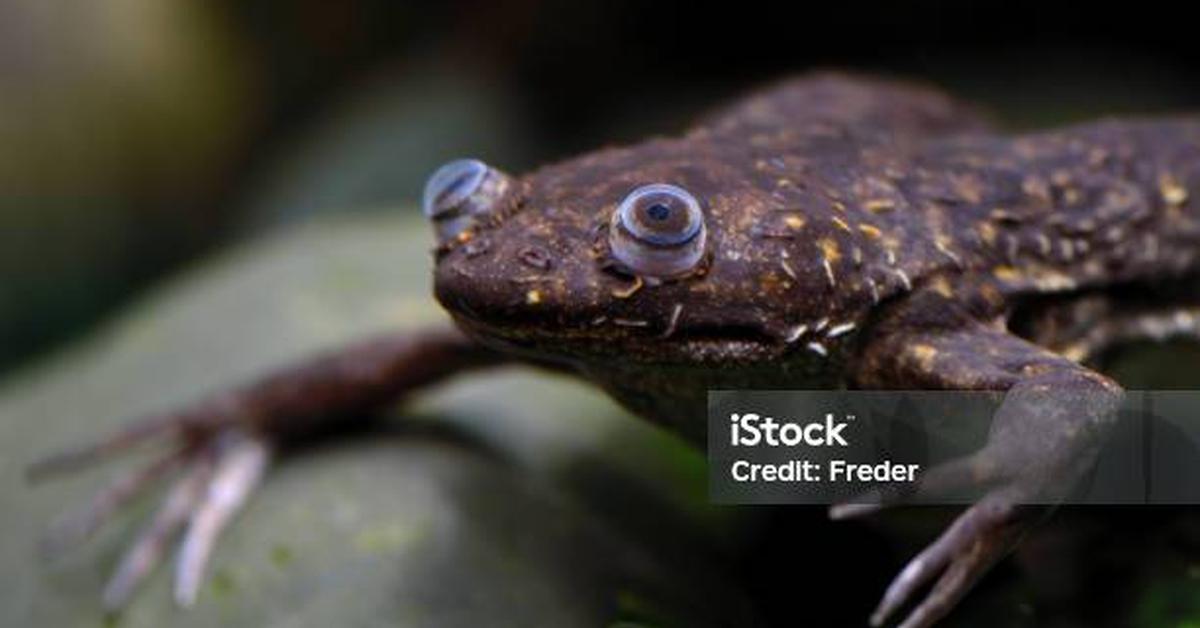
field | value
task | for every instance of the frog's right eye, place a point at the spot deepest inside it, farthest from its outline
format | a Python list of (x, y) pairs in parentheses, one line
[(658, 231), (459, 193)]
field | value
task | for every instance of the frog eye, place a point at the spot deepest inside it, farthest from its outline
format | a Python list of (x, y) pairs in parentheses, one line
[(658, 230), (460, 192)]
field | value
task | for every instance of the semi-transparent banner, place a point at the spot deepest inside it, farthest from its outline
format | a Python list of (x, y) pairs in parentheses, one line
[(860, 447)]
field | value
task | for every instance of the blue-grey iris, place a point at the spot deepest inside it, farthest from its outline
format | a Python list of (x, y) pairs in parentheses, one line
[(658, 231)]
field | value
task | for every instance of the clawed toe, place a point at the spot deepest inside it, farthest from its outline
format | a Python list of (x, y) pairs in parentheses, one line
[(961, 555), (238, 471), (219, 474), (77, 526), (147, 550)]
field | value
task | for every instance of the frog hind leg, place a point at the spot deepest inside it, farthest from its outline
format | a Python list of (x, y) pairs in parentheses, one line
[(224, 443), (1044, 437), (1086, 328), (1158, 325)]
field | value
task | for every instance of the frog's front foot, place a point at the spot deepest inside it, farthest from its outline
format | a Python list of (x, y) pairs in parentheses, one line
[(978, 538), (1044, 439), (221, 446), (218, 470)]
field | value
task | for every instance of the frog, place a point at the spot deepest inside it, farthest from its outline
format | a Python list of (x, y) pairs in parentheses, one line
[(831, 230)]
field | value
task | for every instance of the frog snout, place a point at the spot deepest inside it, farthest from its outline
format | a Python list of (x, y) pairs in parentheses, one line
[(476, 288), (460, 193), (491, 278)]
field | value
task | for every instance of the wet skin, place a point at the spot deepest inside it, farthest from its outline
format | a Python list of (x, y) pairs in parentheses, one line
[(854, 233)]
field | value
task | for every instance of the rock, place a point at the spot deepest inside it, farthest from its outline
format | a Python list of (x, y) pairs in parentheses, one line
[(471, 507)]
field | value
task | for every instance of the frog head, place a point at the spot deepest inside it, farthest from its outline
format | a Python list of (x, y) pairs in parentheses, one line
[(673, 250)]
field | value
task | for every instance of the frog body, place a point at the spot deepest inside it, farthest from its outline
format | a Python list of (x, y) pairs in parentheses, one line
[(830, 231)]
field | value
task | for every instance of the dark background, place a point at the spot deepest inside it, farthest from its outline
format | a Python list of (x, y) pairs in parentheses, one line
[(141, 134)]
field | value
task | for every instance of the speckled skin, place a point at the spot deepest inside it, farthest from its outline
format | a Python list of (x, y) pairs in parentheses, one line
[(864, 233), (861, 233), (830, 201)]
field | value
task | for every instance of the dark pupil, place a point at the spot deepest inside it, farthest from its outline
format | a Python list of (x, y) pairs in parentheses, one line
[(658, 211)]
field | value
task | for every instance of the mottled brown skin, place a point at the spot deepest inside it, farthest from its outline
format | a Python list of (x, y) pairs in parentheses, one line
[(861, 233)]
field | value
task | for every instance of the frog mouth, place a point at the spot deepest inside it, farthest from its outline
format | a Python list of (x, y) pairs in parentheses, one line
[(628, 342)]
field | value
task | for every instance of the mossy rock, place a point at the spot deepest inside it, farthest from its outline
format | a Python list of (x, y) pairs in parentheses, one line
[(471, 507)]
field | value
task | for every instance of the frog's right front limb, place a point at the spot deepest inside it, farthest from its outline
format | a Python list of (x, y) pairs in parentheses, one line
[(221, 446), (1044, 438)]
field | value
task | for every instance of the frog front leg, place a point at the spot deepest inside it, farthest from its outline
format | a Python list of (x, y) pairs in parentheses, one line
[(1044, 437), (221, 445)]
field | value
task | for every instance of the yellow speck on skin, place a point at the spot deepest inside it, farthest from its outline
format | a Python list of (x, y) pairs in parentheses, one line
[(841, 224), (533, 297), (625, 293), (464, 236), (769, 281), (793, 221), (1006, 273), (991, 294), (877, 205), (829, 249), (1076, 353), (1053, 281), (871, 231), (941, 285), (925, 355), (1172, 192), (987, 232)]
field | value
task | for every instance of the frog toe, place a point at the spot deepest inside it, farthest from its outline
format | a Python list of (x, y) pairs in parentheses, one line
[(151, 543), (979, 537), (76, 526), (241, 462), (192, 426), (219, 472)]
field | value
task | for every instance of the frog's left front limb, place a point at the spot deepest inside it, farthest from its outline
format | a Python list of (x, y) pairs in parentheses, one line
[(1044, 437), (222, 444)]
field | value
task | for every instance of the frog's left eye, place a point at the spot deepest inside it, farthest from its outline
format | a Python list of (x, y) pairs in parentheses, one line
[(459, 193), (658, 230)]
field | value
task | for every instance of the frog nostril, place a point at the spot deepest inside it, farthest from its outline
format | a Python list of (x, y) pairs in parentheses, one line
[(535, 257), (476, 247)]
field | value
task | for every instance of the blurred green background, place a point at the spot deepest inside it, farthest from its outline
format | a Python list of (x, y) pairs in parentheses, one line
[(192, 192)]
